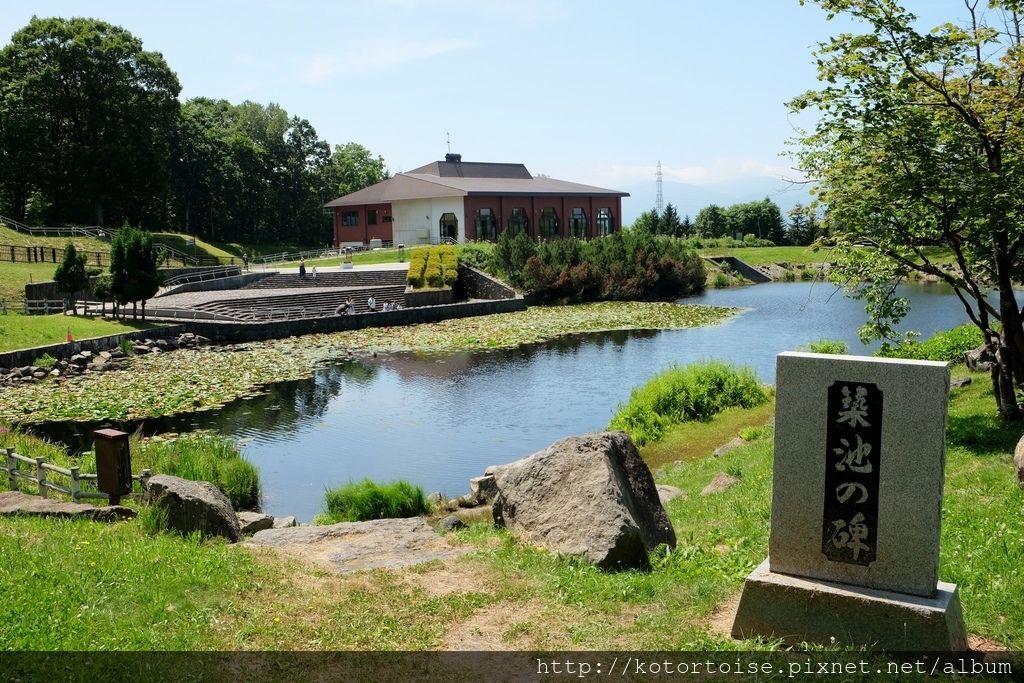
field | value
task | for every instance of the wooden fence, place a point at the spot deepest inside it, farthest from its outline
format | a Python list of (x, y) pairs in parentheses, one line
[(38, 472), (22, 254)]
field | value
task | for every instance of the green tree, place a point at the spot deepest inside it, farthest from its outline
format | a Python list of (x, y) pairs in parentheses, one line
[(920, 144), (86, 117), (134, 268), (513, 249), (649, 221), (712, 222), (670, 223), (350, 168), (102, 290), (70, 275), (687, 226), (803, 226)]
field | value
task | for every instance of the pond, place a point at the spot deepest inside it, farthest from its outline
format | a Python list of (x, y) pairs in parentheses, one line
[(438, 420)]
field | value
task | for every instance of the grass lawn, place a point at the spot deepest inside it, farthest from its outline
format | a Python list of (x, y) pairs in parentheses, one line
[(183, 244), (14, 277), (27, 331), (85, 585), (9, 236), (763, 255), (358, 258)]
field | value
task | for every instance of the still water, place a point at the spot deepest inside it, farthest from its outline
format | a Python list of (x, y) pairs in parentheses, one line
[(439, 420)]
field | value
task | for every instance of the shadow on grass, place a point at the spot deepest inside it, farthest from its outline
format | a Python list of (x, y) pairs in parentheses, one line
[(983, 434)]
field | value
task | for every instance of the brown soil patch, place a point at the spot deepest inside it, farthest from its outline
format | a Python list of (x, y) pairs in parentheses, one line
[(503, 626), (721, 619), (451, 577), (983, 644)]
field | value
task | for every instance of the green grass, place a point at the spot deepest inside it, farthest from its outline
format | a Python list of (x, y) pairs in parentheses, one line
[(765, 255), (683, 394), (79, 585), (83, 585), (363, 258), (204, 457), (949, 346), (830, 346), (9, 236), (199, 457), (182, 243), (366, 500), (14, 277), (28, 331)]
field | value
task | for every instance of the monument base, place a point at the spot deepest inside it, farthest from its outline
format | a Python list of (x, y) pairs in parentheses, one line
[(799, 610)]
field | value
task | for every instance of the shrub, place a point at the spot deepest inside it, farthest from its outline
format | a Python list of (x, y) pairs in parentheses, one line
[(476, 255), (947, 346), (789, 276), (366, 500), (721, 280), (45, 361), (681, 394), (806, 274), (831, 346), (209, 458)]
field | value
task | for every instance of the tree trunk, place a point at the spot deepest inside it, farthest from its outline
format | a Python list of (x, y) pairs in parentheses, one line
[(135, 310)]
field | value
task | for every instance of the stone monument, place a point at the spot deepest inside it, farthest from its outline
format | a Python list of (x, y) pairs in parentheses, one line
[(853, 556)]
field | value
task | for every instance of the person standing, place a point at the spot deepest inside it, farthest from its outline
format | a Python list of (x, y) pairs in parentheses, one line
[(302, 267)]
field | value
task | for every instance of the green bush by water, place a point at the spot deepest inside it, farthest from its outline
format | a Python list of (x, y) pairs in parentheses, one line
[(681, 394), (204, 458), (949, 346), (366, 500), (831, 346)]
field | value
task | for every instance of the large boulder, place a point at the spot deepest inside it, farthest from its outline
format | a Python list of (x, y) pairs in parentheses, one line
[(194, 506), (586, 495), (1018, 462)]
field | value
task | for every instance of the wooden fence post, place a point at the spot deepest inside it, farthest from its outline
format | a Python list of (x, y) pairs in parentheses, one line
[(11, 465), (76, 487), (41, 478)]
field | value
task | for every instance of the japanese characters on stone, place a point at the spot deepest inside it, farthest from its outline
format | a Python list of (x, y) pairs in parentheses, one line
[(853, 452)]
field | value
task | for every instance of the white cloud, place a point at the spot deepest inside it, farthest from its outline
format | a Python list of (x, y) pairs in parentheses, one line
[(360, 59)]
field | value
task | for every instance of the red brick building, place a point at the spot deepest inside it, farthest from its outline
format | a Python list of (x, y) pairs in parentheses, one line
[(466, 201)]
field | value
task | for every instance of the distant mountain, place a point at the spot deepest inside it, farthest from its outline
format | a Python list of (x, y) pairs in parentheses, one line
[(690, 199)]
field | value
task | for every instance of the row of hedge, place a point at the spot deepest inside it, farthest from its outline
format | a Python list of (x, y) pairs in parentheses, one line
[(434, 267)]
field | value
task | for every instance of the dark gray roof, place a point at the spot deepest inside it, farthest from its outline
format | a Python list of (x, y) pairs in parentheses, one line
[(473, 169)]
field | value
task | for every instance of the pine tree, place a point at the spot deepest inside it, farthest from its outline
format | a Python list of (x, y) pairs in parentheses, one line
[(70, 275)]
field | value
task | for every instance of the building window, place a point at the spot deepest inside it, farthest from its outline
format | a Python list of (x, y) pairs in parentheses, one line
[(548, 223), (578, 223), (605, 222), (350, 218), (519, 221), (371, 216), (486, 226)]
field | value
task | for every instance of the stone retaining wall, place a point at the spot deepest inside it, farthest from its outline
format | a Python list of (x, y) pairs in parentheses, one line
[(741, 267), (476, 284), (260, 330), (416, 298), (14, 359)]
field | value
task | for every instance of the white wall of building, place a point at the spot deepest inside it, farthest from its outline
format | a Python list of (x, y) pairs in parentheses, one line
[(418, 221)]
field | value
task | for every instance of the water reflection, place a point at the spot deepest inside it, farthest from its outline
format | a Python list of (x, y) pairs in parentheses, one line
[(438, 420)]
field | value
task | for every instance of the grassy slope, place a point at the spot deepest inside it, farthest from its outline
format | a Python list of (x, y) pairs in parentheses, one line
[(27, 331), (14, 277), (122, 589), (20, 239), (763, 255)]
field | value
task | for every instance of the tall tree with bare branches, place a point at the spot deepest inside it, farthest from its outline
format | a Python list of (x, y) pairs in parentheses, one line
[(918, 156)]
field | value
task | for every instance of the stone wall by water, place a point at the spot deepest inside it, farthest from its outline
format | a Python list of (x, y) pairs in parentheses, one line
[(475, 284), (14, 359), (221, 330)]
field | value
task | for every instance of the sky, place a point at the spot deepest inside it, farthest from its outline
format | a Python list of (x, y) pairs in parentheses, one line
[(591, 91)]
